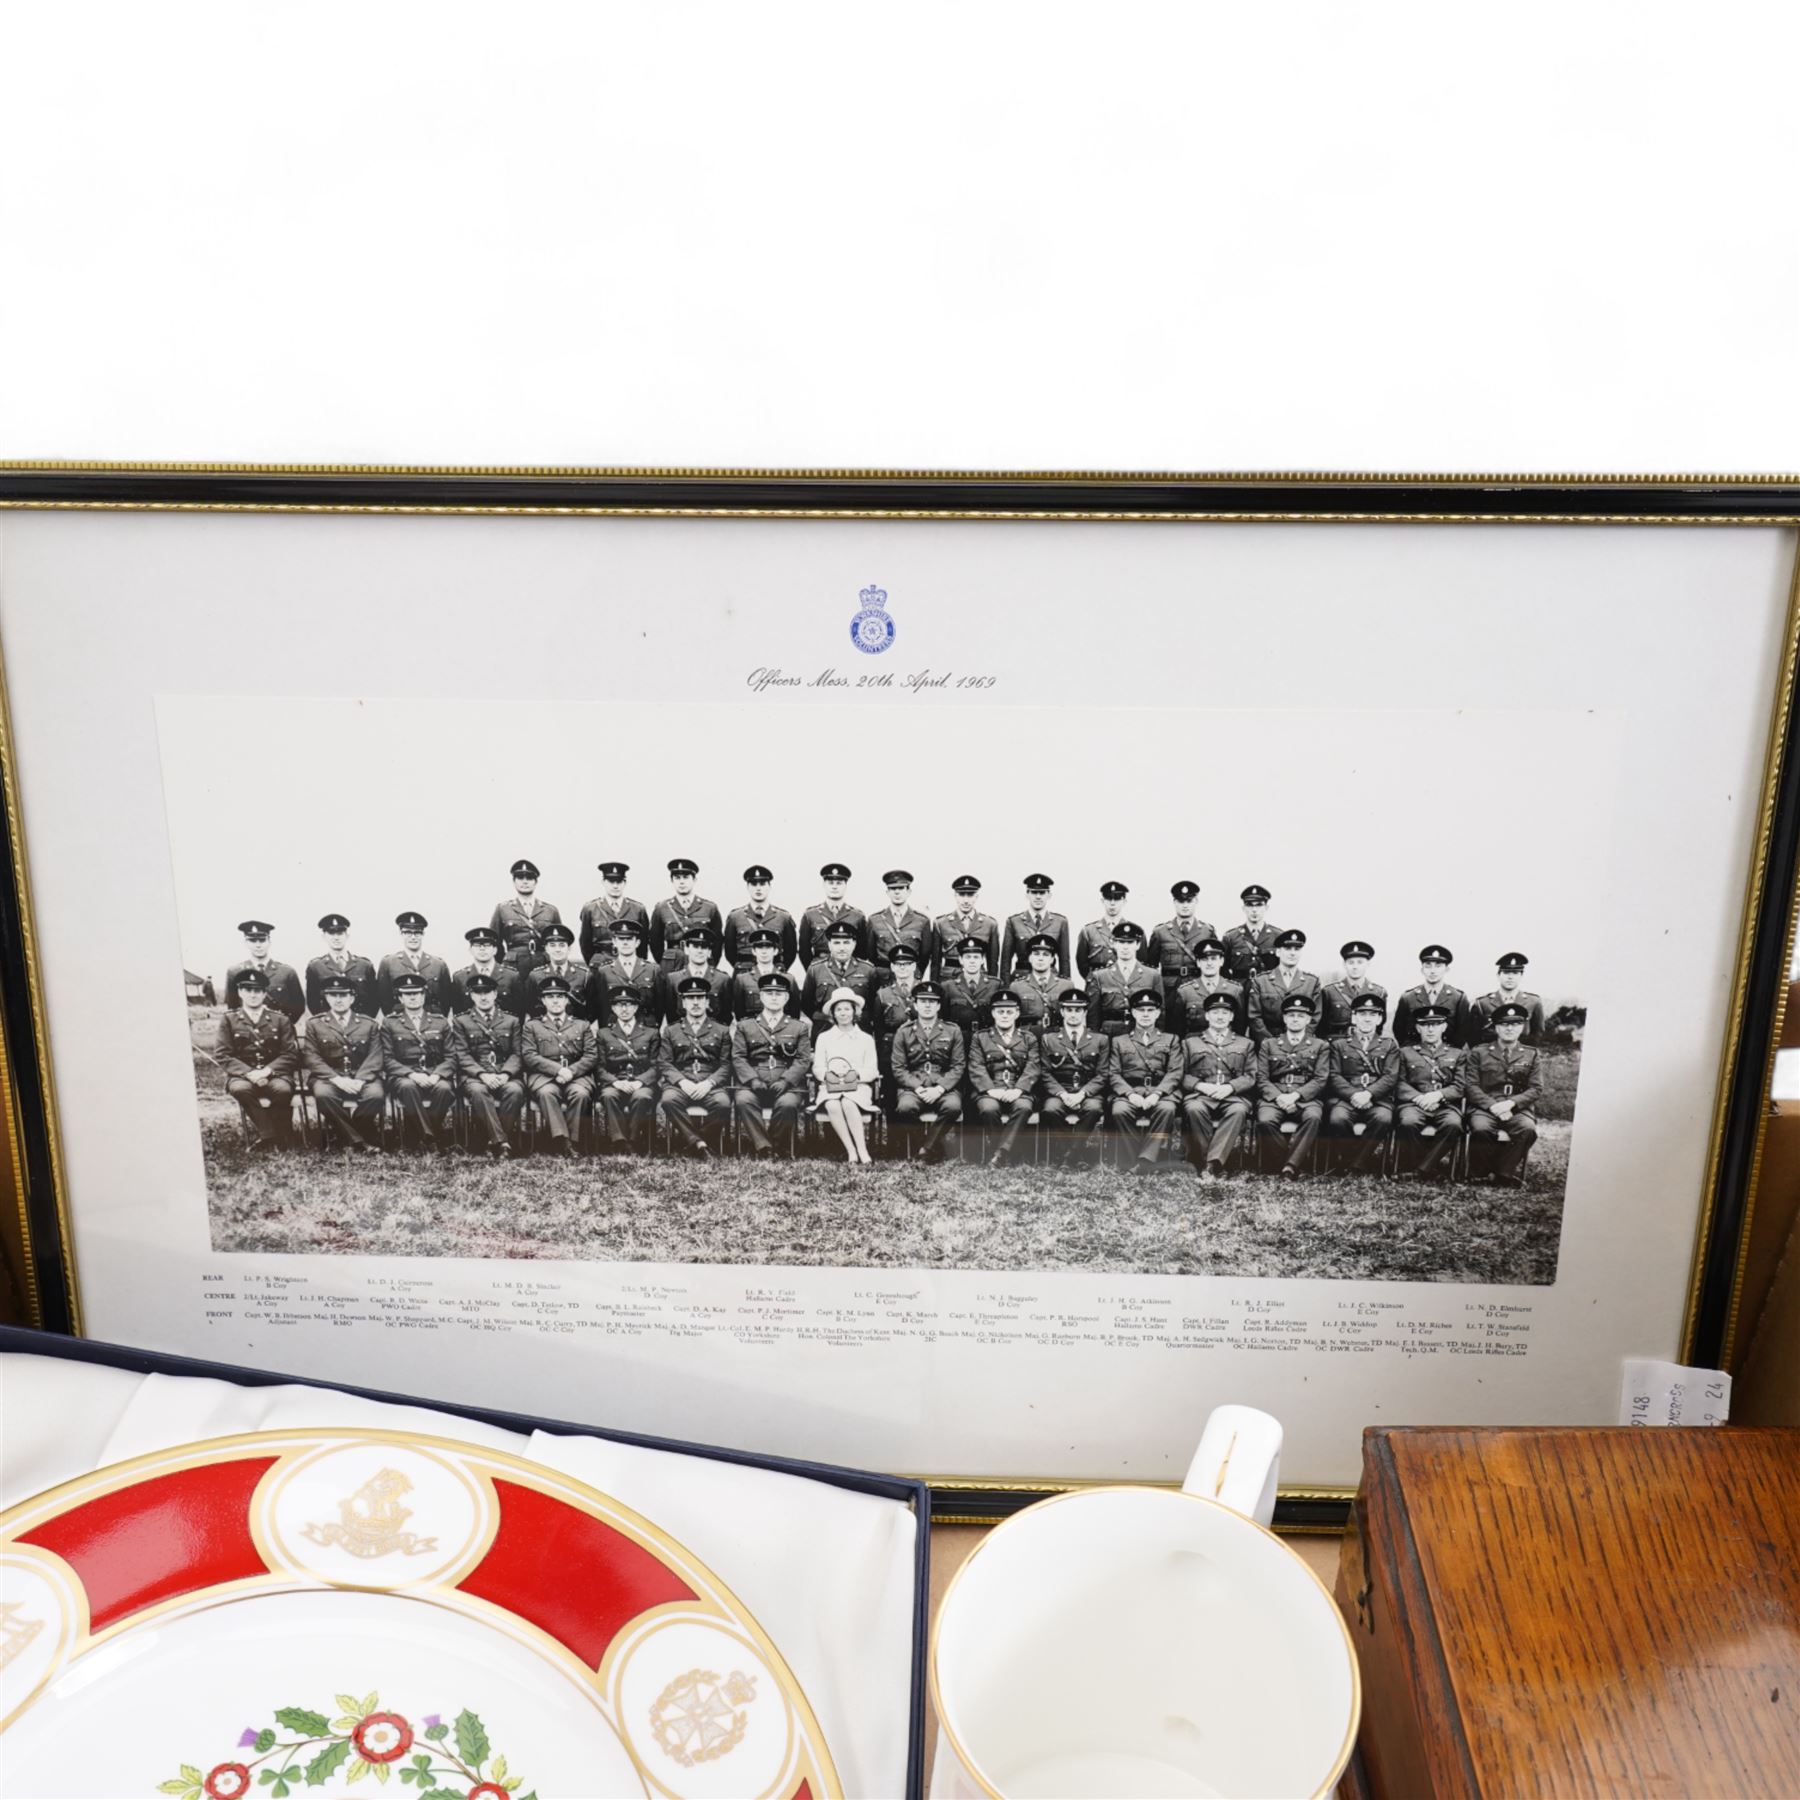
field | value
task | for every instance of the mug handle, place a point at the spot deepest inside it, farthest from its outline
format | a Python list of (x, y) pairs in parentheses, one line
[(1238, 1462)]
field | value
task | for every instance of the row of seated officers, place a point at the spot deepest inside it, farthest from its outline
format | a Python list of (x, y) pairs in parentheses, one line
[(927, 1073)]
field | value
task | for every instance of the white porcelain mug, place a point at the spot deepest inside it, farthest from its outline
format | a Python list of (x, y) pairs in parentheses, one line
[(1139, 1642)]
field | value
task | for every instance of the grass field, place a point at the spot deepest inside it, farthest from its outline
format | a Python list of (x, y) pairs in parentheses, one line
[(818, 1213), (821, 1213)]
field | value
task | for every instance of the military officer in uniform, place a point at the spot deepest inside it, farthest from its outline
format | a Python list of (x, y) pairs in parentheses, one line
[(771, 1059), (757, 914), (412, 958), (695, 1070), (560, 1053), (1188, 1009), (1173, 949), (490, 1069), (1501, 1082), (1113, 991), (1036, 920), (964, 920), (260, 1056), (1292, 1071), (840, 967), (1218, 1083), (1431, 1094), (340, 1051), (899, 922), (821, 916), (746, 988), (512, 992), (929, 1060), (1337, 997), (521, 921), (892, 1006), (1363, 1081), (1146, 1071), (1039, 988), (1250, 947), (415, 1063), (1003, 1076), (559, 963), (1433, 990), (628, 1054), (676, 916), (969, 992), (594, 934), (1271, 991), (1094, 947), (1510, 972), (339, 960), (672, 983), (1076, 1061), (626, 967), (282, 984)]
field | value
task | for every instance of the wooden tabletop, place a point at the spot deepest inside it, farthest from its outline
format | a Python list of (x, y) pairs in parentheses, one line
[(950, 1544)]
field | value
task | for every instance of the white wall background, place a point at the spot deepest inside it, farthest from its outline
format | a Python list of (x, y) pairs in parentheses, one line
[(1555, 235)]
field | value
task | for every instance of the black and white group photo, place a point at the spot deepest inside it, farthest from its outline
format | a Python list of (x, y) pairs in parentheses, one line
[(890, 1061)]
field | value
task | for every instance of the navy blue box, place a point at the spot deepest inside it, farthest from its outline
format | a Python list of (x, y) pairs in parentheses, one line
[(26, 1342)]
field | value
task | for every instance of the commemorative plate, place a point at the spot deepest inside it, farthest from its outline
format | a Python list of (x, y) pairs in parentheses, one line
[(329, 1612)]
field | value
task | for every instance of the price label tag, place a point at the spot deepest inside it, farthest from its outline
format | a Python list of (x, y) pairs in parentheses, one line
[(1664, 1393)]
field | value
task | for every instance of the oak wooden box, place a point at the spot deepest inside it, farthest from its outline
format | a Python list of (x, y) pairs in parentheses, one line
[(1562, 1612)]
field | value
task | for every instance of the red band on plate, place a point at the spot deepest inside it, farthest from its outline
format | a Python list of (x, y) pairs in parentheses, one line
[(572, 1576), (166, 1535)]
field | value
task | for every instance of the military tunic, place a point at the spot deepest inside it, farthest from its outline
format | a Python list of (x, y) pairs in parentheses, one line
[(622, 1056), (488, 1044), (1187, 1011), (1094, 947), (1494, 1072), (818, 919), (969, 1006), (1362, 1066), (743, 920), (1335, 1000), (610, 975), (412, 1049), (1075, 1076), (594, 929), (1301, 1069), (1456, 1033), (1481, 1015), (440, 994), (695, 1053), (883, 932), (285, 992), (949, 929), (746, 996), (560, 1055), (770, 1068), (673, 920), (1423, 1071), (1111, 992), (351, 968), (1215, 1121), (582, 992), (825, 977), (1246, 946), (719, 984), (513, 993), (1039, 1001), (1149, 1064), (1269, 993), (267, 1043), (1170, 950), (351, 1051), (1021, 928), (1005, 1063), (925, 1056), (520, 924)]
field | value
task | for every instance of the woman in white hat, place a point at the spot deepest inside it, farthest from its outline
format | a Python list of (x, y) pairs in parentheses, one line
[(845, 1064)]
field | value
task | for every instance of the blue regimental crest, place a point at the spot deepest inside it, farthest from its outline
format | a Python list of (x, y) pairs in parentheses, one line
[(872, 631)]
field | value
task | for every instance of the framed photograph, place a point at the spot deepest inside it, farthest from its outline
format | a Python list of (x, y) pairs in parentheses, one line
[(956, 974)]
